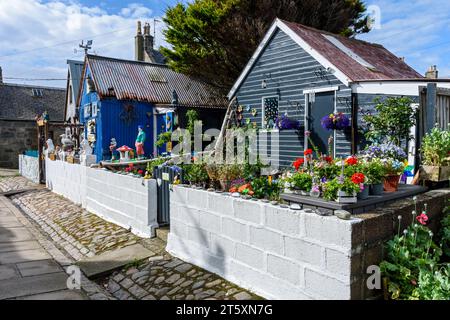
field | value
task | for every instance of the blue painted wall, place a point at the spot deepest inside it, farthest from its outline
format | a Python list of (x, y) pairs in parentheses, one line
[(291, 71), (112, 121)]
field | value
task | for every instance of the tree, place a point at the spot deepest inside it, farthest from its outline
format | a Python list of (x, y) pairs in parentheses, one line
[(213, 40)]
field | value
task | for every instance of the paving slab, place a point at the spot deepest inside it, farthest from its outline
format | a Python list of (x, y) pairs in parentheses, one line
[(35, 268), (8, 272), (32, 285), (109, 261), (9, 222), (18, 246), (15, 234), (23, 256), (57, 295)]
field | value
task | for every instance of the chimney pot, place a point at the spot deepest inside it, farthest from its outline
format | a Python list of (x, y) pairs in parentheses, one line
[(432, 72), (139, 28)]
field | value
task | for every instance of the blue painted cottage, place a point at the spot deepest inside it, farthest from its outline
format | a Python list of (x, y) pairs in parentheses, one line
[(305, 74), (116, 96)]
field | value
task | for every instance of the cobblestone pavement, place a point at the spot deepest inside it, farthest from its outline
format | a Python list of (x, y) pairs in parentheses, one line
[(82, 234), (164, 277)]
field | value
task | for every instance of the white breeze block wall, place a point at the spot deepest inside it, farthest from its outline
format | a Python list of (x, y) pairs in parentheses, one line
[(29, 167), (277, 253), (67, 180), (123, 200)]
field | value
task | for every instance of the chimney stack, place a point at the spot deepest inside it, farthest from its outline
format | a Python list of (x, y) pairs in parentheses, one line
[(148, 43), (1, 76), (139, 44), (432, 73)]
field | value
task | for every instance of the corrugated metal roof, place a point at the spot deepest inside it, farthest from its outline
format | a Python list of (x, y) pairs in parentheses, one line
[(76, 70), (386, 65), (140, 81)]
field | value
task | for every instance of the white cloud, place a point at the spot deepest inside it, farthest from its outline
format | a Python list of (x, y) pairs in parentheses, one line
[(417, 30), (57, 28)]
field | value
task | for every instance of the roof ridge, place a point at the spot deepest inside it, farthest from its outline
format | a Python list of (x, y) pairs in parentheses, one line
[(30, 86), (126, 60), (332, 34)]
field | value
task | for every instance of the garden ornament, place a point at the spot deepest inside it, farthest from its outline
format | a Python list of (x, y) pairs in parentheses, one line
[(140, 140), (50, 147), (112, 148)]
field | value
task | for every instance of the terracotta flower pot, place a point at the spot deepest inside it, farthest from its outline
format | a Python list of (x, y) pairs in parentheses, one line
[(391, 183)]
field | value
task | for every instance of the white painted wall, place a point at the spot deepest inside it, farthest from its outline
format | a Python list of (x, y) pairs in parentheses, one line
[(126, 201), (275, 252), (29, 167)]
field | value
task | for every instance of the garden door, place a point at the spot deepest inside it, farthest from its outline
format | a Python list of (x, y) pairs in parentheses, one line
[(322, 105)]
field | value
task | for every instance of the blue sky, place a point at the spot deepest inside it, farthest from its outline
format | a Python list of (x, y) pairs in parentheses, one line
[(38, 36)]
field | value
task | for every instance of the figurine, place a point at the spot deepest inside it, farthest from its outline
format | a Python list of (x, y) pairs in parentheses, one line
[(112, 148), (140, 140), (85, 147), (125, 153), (50, 147)]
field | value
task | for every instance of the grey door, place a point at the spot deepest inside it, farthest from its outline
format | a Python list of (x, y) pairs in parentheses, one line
[(323, 105)]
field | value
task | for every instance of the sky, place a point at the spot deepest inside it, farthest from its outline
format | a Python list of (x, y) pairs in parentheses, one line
[(38, 36)]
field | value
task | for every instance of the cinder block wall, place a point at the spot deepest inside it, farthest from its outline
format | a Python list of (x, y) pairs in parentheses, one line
[(29, 167), (123, 200), (280, 253)]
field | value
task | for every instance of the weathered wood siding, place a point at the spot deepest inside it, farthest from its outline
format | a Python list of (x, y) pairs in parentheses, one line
[(288, 70), (366, 103)]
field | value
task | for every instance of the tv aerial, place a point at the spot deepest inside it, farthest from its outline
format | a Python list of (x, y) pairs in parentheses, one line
[(87, 46)]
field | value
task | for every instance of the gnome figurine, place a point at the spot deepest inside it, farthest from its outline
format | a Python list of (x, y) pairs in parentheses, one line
[(140, 140), (112, 148)]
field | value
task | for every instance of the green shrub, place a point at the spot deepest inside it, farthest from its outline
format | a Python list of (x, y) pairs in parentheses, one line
[(435, 148), (301, 181)]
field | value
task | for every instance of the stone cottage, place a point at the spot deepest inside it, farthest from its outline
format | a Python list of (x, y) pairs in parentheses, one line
[(19, 105)]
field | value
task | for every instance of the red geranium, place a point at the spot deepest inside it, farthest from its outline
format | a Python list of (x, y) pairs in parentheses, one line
[(141, 172), (423, 218), (298, 163), (351, 161), (308, 152), (358, 178), (328, 159)]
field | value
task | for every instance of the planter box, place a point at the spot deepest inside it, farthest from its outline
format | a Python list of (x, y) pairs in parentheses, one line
[(436, 173)]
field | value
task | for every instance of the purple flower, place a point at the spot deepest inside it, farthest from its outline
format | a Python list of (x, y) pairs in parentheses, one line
[(284, 123), (335, 121)]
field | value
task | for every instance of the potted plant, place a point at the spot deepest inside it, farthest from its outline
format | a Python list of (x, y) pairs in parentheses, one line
[(341, 189), (435, 152), (375, 173), (394, 169), (361, 180), (227, 173), (301, 182)]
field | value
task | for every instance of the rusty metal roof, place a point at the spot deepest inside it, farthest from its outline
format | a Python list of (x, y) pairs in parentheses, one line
[(148, 82), (385, 65)]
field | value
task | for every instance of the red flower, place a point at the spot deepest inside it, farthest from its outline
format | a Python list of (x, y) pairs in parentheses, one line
[(358, 178), (423, 218), (308, 152), (127, 169), (141, 172), (351, 161), (298, 163), (328, 159)]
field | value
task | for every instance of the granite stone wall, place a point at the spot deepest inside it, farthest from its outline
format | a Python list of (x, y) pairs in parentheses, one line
[(15, 138)]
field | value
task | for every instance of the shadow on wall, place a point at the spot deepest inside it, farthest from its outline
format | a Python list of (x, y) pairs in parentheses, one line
[(216, 251)]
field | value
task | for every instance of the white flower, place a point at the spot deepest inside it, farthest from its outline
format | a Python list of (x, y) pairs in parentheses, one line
[(415, 198), (405, 232), (399, 217), (414, 212)]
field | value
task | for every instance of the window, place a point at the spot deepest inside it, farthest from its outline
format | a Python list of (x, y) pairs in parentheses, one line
[(37, 92), (269, 111), (87, 110)]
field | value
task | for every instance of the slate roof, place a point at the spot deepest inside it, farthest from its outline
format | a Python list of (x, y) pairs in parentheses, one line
[(18, 103), (387, 65), (149, 82)]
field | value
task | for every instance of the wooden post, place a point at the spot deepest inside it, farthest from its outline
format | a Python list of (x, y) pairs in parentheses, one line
[(430, 117)]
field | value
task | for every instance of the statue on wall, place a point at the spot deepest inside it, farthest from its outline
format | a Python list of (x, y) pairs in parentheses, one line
[(112, 148), (140, 140), (85, 147)]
